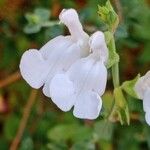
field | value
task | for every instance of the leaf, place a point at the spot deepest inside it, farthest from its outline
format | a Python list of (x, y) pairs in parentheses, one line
[(128, 86), (4, 144), (108, 36), (76, 132), (113, 58), (11, 126), (30, 28), (26, 144), (85, 145), (42, 13), (32, 18), (108, 101), (103, 130), (108, 16), (57, 146), (121, 107), (102, 2), (144, 57), (121, 32)]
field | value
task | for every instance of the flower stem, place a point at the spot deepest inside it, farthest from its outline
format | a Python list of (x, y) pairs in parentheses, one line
[(115, 68), (115, 75)]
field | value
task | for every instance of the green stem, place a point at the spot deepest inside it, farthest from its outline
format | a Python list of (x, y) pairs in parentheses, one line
[(115, 68), (115, 75)]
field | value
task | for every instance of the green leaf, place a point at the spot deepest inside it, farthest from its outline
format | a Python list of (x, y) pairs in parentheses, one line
[(144, 57), (32, 18), (30, 28), (49, 23), (26, 144), (121, 107), (11, 126), (4, 144), (43, 14), (57, 146), (108, 16), (108, 36), (76, 132), (121, 32), (102, 2), (128, 86), (108, 101), (85, 145), (103, 130), (113, 58)]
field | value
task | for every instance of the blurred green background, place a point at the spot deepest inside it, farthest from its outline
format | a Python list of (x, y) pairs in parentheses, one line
[(28, 24)]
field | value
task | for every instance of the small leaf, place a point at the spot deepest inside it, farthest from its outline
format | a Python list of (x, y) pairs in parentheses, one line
[(32, 18), (30, 28), (57, 146), (108, 16), (26, 144), (121, 32), (108, 101), (128, 86), (43, 14), (108, 36), (102, 2), (11, 126), (85, 145), (76, 132), (144, 56), (121, 107), (103, 130), (113, 58)]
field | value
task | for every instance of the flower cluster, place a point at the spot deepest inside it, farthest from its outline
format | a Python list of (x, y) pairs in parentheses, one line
[(71, 68)]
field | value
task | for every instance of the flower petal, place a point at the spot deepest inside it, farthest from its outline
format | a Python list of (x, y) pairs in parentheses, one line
[(97, 78), (87, 106), (88, 74), (98, 45), (62, 92), (71, 19), (54, 46), (33, 68), (139, 88), (61, 64), (147, 118), (79, 70), (142, 85), (146, 101)]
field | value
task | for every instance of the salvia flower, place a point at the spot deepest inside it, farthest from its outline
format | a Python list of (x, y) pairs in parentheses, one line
[(39, 66), (142, 88), (84, 83)]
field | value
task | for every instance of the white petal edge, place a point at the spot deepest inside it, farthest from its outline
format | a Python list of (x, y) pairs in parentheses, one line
[(87, 74), (33, 68), (142, 85), (146, 101), (55, 45), (62, 92), (88, 106), (147, 118), (138, 88)]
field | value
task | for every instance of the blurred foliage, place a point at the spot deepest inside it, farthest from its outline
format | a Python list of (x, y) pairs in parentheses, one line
[(28, 24)]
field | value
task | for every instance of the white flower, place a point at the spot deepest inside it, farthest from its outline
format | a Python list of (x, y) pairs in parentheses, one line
[(83, 84), (142, 88), (39, 66)]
